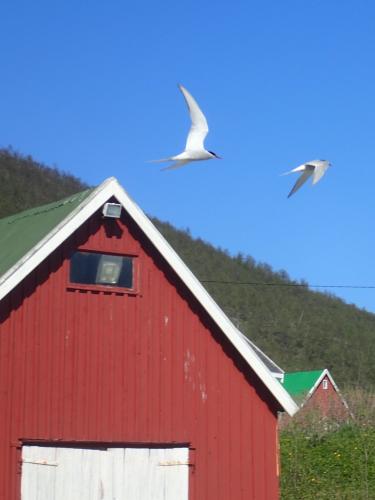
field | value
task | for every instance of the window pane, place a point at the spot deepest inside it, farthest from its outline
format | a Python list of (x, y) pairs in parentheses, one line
[(126, 275), (83, 267), (102, 269)]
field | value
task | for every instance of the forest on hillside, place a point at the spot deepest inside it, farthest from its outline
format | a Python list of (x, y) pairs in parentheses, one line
[(25, 183), (298, 328)]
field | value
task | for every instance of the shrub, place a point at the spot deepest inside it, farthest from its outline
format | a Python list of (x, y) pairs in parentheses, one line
[(322, 459)]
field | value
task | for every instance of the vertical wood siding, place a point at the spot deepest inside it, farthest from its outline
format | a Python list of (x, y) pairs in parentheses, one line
[(148, 367), (327, 401)]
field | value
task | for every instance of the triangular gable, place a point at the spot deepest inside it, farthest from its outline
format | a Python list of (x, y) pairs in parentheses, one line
[(326, 373), (302, 385), (92, 202)]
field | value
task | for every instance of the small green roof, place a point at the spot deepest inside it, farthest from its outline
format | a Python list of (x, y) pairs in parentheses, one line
[(20, 232), (298, 384)]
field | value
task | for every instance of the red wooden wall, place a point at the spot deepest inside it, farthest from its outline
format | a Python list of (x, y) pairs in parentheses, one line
[(327, 401), (149, 367)]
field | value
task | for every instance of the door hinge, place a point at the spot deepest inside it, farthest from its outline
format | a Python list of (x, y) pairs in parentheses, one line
[(174, 462), (39, 462)]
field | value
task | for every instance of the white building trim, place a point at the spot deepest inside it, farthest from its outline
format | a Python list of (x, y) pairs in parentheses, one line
[(90, 205)]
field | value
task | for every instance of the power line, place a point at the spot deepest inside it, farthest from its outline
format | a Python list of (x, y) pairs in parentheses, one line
[(300, 285)]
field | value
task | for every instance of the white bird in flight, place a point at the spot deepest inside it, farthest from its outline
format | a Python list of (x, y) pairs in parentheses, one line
[(315, 168), (194, 149)]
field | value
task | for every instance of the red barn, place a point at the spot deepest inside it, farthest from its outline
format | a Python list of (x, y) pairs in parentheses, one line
[(120, 377), (316, 391)]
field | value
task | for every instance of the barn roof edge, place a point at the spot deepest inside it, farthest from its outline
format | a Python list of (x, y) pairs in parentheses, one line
[(90, 203)]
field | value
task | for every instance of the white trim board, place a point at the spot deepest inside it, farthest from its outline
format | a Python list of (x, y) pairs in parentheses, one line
[(94, 202), (325, 373)]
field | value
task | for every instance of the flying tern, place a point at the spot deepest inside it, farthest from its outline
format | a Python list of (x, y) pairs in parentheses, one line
[(314, 168), (194, 149)]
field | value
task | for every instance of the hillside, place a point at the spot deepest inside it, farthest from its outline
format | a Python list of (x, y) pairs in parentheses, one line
[(25, 183), (298, 328)]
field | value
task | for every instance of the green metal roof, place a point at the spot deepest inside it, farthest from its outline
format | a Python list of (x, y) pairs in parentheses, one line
[(19, 233), (298, 384)]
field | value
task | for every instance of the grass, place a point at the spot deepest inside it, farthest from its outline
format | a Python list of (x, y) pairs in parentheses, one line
[(323, 459)]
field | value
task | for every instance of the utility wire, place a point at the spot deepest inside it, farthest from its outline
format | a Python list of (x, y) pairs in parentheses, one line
[(300, 285)]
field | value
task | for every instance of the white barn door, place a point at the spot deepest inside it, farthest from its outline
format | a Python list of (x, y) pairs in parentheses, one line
[(104, 474)]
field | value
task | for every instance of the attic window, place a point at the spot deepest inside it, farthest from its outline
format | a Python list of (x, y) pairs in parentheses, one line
[(325, 384), (88, 268)]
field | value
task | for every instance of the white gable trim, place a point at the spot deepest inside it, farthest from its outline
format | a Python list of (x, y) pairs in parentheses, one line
[(54, 238), (325, 373), (91, 204)]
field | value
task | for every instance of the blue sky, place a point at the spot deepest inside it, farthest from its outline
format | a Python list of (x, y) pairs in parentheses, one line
[(92, 89)]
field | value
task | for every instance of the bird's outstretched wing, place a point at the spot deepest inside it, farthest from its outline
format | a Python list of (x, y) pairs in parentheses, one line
[(199, 126), (176, 164), (161, 160), (319, 171), (300, 168), (300, 181)]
